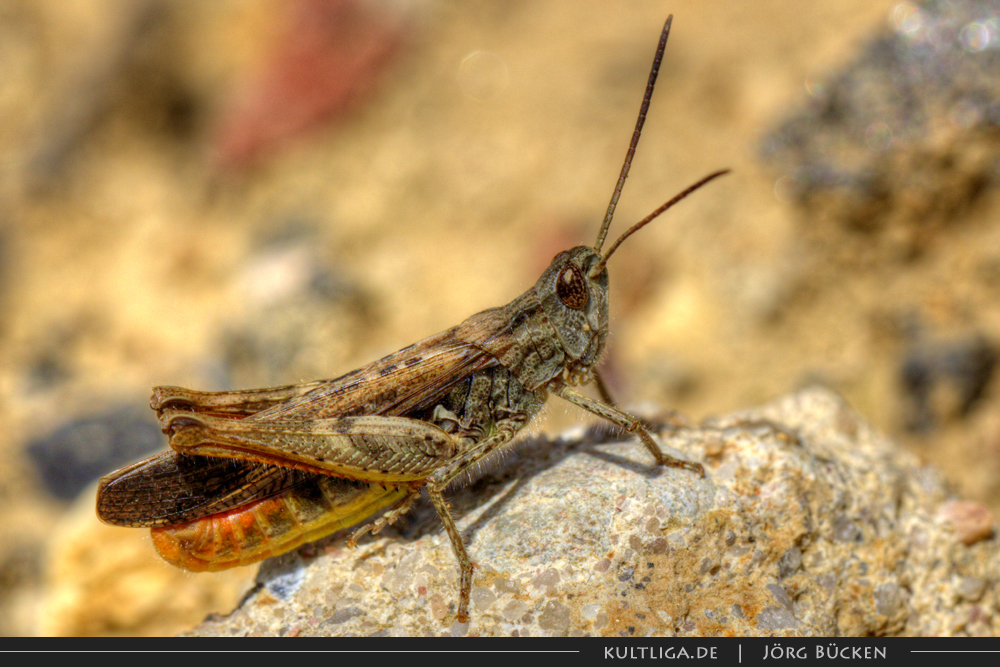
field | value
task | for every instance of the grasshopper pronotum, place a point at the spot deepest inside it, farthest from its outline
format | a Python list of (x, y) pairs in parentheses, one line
[(256, 473)]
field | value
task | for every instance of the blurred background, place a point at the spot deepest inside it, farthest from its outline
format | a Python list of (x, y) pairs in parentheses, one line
[(245, 193)]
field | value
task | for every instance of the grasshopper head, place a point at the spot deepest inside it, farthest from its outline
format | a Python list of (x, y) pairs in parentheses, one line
[(573, 291), (576, 303)]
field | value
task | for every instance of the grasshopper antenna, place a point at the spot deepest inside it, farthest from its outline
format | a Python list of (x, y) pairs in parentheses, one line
[(603, 233), (599, 266)]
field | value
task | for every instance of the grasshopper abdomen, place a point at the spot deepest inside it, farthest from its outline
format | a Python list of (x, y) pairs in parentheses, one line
[(313, 509)]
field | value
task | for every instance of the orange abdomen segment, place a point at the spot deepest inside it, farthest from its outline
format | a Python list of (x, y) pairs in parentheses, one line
[(272, 526)]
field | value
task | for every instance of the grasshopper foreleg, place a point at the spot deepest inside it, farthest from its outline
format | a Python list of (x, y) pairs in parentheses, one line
[(627, 422)]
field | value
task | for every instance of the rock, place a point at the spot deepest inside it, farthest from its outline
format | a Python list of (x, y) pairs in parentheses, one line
[(807, 522)]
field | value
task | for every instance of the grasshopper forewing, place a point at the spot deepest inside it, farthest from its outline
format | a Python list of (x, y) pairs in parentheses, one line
[(256, 473)]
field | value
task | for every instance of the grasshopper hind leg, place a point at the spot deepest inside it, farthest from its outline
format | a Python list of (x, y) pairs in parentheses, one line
[(389, 518)]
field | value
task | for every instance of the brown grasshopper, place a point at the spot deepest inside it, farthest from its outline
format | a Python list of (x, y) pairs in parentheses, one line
[(259, 472)]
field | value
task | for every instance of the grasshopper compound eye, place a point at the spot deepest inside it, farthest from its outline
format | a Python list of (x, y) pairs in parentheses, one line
[(571, 288)]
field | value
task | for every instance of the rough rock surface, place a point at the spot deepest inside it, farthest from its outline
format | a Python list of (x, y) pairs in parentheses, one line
[(808, 522)]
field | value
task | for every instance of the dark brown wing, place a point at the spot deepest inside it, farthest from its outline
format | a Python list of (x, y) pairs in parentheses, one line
[(172, 488)]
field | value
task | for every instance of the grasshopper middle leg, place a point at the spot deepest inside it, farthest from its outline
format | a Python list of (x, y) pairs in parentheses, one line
[(438, 481)]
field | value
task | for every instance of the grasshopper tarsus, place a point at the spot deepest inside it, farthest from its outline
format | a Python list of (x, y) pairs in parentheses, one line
[(662, 457), (686, 465), (627, 422), (256, 473), (386, 519), (465, 594)]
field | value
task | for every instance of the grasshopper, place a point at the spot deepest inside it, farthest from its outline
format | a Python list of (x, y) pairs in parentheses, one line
[(256, 473)]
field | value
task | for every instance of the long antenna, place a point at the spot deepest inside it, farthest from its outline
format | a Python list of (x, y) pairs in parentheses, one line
[(597, 268), (601, 235)]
